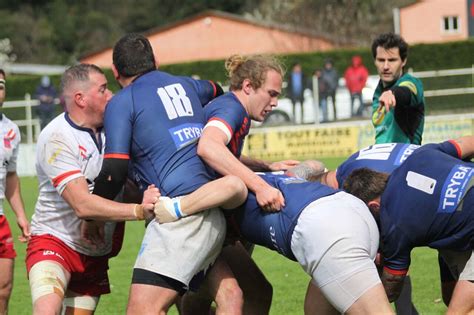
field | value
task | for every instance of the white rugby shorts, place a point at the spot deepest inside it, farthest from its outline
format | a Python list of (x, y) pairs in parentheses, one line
[(335, 241), (181, 249)]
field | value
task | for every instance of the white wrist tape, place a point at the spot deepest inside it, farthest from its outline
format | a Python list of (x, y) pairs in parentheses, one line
[(174, 207), (169, 209)]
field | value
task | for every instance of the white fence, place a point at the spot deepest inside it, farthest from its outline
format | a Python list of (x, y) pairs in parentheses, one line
[(311, 107), (27, 151), (32, 124)]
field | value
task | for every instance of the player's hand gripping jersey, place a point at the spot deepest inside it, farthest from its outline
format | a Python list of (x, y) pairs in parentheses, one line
[(274, 230), (428, 201)]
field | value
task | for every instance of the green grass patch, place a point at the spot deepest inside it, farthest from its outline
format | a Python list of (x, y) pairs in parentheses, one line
[(288, 279)]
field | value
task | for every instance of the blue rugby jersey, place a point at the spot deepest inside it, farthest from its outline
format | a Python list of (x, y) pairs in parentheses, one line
[(378, 157), (233, 120), (156, 122), (428, 201), (274, 230)]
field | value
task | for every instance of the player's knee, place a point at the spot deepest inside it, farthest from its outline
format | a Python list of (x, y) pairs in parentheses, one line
[(6, 290), (47, 277), (84, 302)]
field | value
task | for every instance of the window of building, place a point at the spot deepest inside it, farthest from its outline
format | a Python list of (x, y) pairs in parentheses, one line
[(450, 24)]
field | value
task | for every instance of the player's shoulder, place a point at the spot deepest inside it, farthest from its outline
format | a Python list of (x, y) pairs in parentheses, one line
[(59, 129), (411, 82), (227, 101)]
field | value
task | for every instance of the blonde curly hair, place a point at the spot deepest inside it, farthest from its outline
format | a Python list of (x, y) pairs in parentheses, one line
[(253, 68)]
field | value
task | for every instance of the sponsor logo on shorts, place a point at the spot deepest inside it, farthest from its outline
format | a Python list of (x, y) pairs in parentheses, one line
[(456, 185), (186, 134), (52, 253)]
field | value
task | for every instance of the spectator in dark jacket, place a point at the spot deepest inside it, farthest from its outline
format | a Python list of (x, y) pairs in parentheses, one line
[(330, 77), (45, 93)]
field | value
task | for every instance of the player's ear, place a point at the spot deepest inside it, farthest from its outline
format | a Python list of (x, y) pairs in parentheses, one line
[(374, 205), (115, 72), (79, 99), (246, 86)]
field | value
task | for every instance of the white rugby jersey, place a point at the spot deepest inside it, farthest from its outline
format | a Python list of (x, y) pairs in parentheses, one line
[(66, 151), (8, 154)]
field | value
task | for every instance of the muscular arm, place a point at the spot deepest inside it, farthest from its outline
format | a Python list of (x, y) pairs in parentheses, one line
[(90, 206), (254, 164), (212, 148), (264, 166), (13, 195), (393, 284)]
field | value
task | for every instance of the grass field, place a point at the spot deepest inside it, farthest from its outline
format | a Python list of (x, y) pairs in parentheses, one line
[(288, 280)]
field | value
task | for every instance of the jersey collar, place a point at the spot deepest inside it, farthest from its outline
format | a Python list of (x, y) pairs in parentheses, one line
[(98, 142)]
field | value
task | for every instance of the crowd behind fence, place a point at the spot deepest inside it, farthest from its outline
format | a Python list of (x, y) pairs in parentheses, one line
[(439, 84)]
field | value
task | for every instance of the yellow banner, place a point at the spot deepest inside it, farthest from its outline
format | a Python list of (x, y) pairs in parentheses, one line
[(302, 143), (444, 129), (313, 142)]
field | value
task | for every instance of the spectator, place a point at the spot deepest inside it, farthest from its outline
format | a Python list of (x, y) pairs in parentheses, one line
[(322, 95), (10, 189), (356, 77), (295, 89), (45, 93), (330, 77)]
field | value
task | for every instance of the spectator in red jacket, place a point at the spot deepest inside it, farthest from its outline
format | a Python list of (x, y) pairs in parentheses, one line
[(356, 77)]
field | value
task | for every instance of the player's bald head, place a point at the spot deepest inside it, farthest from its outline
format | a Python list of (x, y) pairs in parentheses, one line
[(308, 169)]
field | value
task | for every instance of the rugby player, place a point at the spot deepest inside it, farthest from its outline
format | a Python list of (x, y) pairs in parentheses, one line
[(255, 84), (427, 201), (333, 237), (153, 123), (384, 157), (63, 267), (9, 189)]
